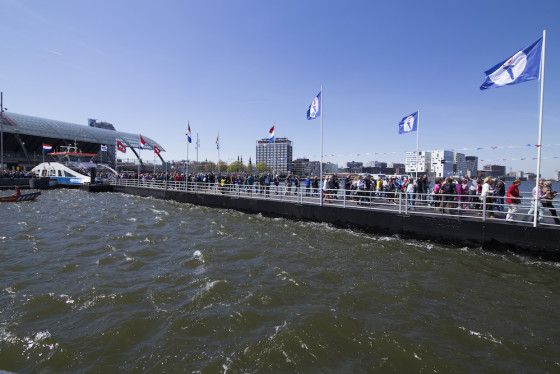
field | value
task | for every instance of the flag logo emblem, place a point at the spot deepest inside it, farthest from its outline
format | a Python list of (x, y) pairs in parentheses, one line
[(510, 70), (409, 124), (314, 110)]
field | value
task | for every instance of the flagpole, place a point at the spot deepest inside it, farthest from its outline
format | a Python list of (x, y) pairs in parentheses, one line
[(188, 141), (139, 157), (275, 156), (115, 153), (321, 162), (536, 213), (218, 145), (417, 136)]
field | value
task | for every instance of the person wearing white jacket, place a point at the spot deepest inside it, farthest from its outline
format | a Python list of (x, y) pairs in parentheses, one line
[(410, 193)]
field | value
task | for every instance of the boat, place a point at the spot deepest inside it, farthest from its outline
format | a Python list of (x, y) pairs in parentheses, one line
[(72, 167), (23, 197)]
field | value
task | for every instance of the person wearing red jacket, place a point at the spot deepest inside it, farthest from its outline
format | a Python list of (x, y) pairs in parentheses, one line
[(513, 200)]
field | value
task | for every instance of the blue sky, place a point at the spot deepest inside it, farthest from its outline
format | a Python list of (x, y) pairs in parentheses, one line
[(237, 67)]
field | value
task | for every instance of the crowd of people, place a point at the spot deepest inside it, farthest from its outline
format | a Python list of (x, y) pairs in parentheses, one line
[(447, 195), (15, 174)]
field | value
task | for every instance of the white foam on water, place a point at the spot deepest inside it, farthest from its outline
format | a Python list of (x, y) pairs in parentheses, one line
[(164, 212), (287, 358), (209, 285), (278, 328), (480, 335)]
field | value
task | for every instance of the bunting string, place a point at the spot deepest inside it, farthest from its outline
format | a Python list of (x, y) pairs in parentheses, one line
[(489, 148)]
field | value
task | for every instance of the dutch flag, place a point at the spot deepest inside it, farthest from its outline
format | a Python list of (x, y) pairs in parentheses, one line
[(271, 132), (47, 147), (142, 142), (189, 133)]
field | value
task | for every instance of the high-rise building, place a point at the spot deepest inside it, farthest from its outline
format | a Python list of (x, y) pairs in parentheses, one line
[(354, 167), (276, 155), (494, 171), (442, 163), (472, 166), (423, 164), (299, 166), (459, 164)]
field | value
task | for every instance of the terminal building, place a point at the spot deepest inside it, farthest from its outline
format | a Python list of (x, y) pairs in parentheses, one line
[(23, 136)]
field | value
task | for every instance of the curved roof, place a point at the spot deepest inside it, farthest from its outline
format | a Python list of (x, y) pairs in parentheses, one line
[(42, 127)]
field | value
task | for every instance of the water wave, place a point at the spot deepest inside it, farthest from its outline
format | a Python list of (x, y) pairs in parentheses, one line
[(112, 282)]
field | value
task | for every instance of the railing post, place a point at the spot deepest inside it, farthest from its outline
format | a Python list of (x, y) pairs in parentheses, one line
[(400, 203), (405, 202), (484, 208)]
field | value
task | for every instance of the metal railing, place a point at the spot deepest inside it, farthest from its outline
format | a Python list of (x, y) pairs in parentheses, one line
[(484, 208)]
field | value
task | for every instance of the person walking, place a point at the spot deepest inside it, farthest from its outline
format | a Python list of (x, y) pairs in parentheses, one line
[(536, 203), (500, 193), (547, 200), (513, 200), (410, 194)]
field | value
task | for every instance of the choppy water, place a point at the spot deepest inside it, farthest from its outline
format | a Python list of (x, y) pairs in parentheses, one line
[(103, 283)]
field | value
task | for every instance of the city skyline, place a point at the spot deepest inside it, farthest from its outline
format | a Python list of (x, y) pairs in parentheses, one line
[(239, 69)]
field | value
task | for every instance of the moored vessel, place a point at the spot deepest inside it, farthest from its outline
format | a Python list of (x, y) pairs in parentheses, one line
[(72, 168)]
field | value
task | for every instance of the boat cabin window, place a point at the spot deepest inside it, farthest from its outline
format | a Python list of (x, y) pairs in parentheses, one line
[(60, 173), (43, 173)]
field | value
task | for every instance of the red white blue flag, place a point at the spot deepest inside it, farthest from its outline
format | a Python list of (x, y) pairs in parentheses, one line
[(47, 147), (271, 132), (142, 142)]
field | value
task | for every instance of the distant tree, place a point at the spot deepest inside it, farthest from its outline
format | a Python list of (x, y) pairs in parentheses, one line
[(261, 167), (209, 166), (222, 166), (235, 167)]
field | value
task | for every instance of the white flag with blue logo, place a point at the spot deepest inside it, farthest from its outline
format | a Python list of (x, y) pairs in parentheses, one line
[(408, 123), (315, 108), (521, 67)]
